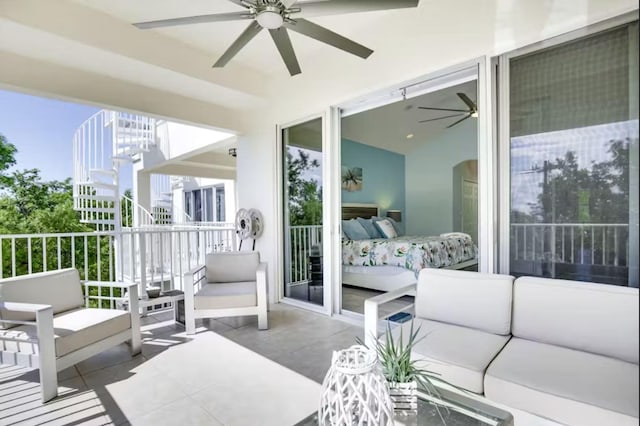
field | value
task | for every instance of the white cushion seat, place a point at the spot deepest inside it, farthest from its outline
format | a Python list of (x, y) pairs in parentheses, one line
[(226, 295), (73, 330), (570, 386), (460, 355)]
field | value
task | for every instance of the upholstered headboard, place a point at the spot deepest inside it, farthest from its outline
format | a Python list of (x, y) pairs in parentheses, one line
[(351, 211)]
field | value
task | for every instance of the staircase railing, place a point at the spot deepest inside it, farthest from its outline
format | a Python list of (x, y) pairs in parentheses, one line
[(100, 145)]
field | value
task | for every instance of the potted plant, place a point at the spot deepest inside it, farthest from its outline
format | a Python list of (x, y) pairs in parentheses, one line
[(402, 373)]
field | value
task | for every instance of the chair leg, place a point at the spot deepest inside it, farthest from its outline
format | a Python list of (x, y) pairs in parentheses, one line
[(136, 342), (262, 320), (189, 321), (47, 354)]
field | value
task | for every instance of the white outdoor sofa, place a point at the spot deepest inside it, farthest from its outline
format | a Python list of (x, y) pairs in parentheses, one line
[(44, 324), (561, 350)]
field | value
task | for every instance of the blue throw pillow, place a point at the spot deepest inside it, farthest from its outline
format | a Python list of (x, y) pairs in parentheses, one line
[(368, 225), (354, 230)]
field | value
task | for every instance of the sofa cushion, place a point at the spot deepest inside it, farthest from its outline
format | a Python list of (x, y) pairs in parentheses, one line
[(569, 386), (61, 289), (226, 295), (597, 318), (232, 266), (471, 299), (73, 330), (459, 354)]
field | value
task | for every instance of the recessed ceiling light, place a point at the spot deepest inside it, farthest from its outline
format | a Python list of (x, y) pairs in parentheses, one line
[(410, 136)]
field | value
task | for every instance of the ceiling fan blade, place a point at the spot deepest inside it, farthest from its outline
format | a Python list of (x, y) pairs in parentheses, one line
[(459, 121), (281, 38), (444, 109), (339, 7), (246, 36), (218, 17), (472, 106), (440, 118), (327, 36)]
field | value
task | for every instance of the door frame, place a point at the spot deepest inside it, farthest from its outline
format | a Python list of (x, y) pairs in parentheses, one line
[(481, 70), (325, 308)]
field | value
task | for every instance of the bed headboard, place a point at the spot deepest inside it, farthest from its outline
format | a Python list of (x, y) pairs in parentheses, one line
[(351, 211)]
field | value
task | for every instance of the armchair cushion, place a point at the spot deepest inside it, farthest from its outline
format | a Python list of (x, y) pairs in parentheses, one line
[(226, 295), (61, 289), (73, 330), (231, 267)]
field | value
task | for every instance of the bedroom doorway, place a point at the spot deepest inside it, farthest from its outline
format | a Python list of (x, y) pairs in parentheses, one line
[(409, 189), (302, 189)]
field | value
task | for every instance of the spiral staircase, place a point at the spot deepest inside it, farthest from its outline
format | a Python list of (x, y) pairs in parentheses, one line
[(101, 145)]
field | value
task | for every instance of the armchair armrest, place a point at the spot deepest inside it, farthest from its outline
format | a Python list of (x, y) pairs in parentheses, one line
[(371, 315)]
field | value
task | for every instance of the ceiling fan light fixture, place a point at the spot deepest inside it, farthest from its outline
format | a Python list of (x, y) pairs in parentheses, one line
[(270, 18), (474, 114)]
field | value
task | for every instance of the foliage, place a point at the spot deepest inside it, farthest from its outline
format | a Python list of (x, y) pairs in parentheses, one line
[(572, 194), (398, 367), (395, 358), (305, 193), (7, 158)]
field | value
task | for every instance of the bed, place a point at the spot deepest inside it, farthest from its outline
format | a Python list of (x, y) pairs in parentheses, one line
[(385, 264)]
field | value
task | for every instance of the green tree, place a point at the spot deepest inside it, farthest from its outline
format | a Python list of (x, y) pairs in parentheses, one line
[(596, 194), (7, 158), (305, 193)]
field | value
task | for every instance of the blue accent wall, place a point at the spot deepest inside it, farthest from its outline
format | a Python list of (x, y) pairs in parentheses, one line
[(383, 176)]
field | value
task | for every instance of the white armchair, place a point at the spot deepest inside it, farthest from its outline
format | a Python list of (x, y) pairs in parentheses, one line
[(44, 324), (228, 284)]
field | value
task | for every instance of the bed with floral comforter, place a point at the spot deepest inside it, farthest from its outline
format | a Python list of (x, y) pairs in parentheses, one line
[(410, 252)]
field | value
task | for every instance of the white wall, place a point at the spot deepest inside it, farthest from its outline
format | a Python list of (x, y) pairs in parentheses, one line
[(407, 46), (429, 182)]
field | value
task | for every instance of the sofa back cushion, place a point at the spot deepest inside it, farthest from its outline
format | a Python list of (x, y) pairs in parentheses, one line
[(60, 289), (231, 267), (470, 299), (597, 318)]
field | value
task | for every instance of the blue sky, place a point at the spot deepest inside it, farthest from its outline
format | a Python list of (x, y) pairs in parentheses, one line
[(42, 129)]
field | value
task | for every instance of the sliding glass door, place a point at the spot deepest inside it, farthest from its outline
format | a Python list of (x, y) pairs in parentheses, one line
[(302, 185), (573, 154)]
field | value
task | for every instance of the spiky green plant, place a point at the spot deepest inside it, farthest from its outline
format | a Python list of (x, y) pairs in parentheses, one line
[(397, 365)]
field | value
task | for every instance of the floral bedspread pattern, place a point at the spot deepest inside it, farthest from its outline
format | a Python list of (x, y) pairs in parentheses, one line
[(410, 252)]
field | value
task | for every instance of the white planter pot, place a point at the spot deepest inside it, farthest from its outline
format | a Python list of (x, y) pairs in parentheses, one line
[(404, 397)]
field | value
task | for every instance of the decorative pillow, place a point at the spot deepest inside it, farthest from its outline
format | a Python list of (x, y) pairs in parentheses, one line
[(455, 235), (371, 229), (354, 230), (395, 224), (386, 228)]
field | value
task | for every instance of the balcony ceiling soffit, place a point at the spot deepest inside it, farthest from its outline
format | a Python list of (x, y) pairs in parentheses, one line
[(92, 40)]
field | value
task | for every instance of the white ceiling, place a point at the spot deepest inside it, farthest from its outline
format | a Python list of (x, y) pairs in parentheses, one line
[(260, 54), (387, 127)]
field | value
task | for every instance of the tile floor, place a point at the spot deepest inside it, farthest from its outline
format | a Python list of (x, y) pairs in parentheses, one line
[(114, 388)]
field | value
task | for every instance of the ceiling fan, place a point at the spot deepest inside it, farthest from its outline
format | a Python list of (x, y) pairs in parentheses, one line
[(278, 16), (471, 112)]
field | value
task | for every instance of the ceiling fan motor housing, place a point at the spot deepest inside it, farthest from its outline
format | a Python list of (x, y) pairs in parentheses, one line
[(270, 17)]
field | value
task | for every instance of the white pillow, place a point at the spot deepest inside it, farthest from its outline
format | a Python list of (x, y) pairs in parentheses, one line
[(386, 228), (455, 235)]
